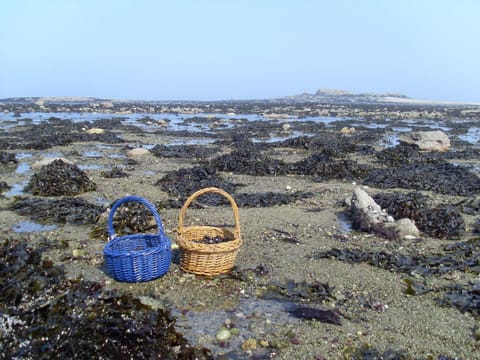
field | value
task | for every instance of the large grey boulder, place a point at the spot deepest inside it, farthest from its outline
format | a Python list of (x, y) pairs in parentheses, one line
[(368, 216), (435, 140)]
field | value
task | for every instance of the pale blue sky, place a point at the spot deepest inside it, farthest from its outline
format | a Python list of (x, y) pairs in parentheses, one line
[(232, 49)]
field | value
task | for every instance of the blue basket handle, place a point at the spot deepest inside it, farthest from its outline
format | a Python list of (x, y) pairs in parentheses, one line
[(153, 210)]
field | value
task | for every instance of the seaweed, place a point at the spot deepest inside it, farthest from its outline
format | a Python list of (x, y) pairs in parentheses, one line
[(316, 292), (440, 222), (248, 160), (182, 183), (184, 151), (311, 313), (464, 297), (59, 178), (114, 173), (53, 132), (7, 158), (322, 167), (463, 256), (67, 210), (270, 198), (440, 177), (43, 315)]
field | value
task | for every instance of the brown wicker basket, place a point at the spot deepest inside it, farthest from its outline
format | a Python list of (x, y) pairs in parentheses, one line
[(208, 259)]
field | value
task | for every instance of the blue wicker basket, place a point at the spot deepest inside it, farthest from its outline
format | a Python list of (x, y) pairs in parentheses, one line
[(138, 257)]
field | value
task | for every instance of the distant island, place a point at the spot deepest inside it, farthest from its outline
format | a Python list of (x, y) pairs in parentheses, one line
[(321, 96)]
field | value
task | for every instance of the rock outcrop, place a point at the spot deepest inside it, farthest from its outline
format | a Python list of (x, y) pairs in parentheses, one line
[(368, 216), (435, 140)]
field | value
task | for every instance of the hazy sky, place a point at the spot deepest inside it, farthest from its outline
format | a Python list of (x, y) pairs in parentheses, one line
[(233, 49)]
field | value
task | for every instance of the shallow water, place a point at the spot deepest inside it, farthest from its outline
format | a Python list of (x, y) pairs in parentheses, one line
[(179, 122), (252, 318), (29, 226)]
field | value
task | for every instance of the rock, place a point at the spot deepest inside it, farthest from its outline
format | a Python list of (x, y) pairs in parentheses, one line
[(95, 131), (401, 229), (366, 213), (427, 140), (214, 125), (249, 344), (162, 123), (347, 130), (223, 335), (137, 152), (368, 216)]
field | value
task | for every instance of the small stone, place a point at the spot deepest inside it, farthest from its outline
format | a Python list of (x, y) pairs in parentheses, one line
[(223, 334), (95, 131), (249, 344), (263, 343), (76, 253), (137, 152)]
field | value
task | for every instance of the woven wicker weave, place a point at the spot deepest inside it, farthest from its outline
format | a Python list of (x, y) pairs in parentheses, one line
[(137, 257), (208, 259)]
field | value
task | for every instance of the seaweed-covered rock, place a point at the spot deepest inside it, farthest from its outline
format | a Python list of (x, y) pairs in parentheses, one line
[(66, 210), (59, 178)]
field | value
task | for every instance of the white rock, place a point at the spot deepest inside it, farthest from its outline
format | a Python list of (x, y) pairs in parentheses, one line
[(95, 131), (223, 335), (427, 140), (137, 152)]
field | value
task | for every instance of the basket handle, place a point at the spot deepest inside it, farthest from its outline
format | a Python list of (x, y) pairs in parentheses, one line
[(148, 205), (210, 190)]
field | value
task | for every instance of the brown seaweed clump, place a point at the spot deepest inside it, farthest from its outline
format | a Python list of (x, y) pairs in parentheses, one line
[(183, 182), (67, 210), (60, 179), (7, 158), (440, 222)]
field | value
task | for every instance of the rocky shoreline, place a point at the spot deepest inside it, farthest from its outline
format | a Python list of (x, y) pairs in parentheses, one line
[(314, 279)]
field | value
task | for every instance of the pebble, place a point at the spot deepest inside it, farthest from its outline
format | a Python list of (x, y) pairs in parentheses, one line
[(223, 334), (249, 344), (78, 253)]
